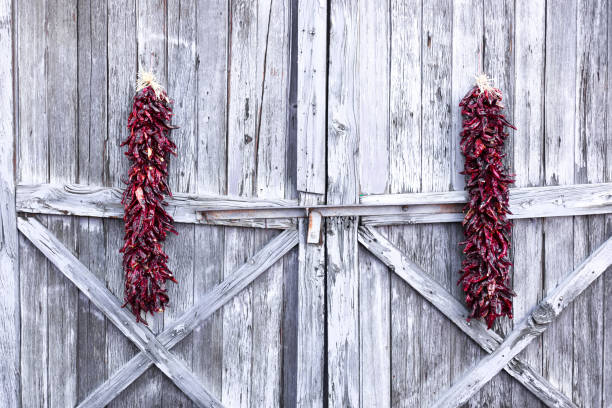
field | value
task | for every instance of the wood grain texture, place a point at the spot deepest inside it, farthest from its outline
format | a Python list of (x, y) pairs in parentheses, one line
[(92, 134), (141, 335), (181, 16), (560, 89), (311, 176), (312, 98), (205, 307), (528, 144), (10, 386), (589, 167), (530, 327), (468, 49), (437, 173), (412, 274), (607, 278), (404, 147), (343, 367), (32, 149), (274, 29), (377, 209), (372, 107), (152, 55), (121, 87), (211, 111)]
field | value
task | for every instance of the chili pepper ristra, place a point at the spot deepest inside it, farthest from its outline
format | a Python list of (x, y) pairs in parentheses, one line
[(146, 221), (484, 273)]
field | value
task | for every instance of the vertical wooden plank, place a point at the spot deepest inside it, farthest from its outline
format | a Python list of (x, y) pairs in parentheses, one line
[(311, 157), (498, 63), (528, 145), (10, 386), (33, 150), (243, 89), (92, 133), (62, 300), (607, 277), (211, 104), (436, 175), (312, 79), (182, 88), (291, 264), (342, 188), (273, 45), (372, 90), (152, 46), (559, 169), (467, 60), (405, 147), (122, 68), (589, 165)]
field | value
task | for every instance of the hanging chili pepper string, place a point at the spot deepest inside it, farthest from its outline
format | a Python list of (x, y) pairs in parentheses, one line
[(484, 273), (146, 221)]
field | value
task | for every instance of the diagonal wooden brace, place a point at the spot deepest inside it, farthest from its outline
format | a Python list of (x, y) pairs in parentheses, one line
[(530, 327), (108, 304), (455, 311), (180, 328)]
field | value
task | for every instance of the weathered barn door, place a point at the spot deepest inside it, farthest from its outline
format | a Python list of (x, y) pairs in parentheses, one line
[(317, 199)]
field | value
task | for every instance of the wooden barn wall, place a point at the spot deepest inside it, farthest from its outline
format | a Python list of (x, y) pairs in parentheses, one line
[(227, 67), (328, 325), (397, 71)]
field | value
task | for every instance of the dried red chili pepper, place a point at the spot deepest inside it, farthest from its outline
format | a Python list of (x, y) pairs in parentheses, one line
[(146, 220), (484, 273)]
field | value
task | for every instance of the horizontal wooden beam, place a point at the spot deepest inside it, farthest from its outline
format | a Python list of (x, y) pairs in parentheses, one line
[(529, 202), (455, 311), (384, 209), (108, 304), (530, 327), (105, 202), (204, 308)]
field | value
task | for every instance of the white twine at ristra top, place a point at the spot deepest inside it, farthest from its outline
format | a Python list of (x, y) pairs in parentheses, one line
[(484, 83), (147, 78)]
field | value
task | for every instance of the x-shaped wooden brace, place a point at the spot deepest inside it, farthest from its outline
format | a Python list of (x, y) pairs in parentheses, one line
[(154, 350), (530, 327), (503, 354)]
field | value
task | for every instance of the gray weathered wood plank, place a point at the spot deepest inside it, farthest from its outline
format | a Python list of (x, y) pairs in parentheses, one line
[(528, 144), (211, 111), (529, 328), (437, 173), (372, 109), (92, 134), (342, 188), (189, 321), (558, 155), (311, 177), (607, 306), (243, 107), (121, 15), (404, 147), (152, 55), (61, 106), (273, 58), (407, 208), (590, 167), (181, 17), (141, 335), (311, 102), (33, 167), (454, 310), (468, 43), (10, 386)]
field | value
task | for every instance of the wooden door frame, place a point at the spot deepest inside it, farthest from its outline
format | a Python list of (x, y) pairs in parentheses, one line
[(385, 209)]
